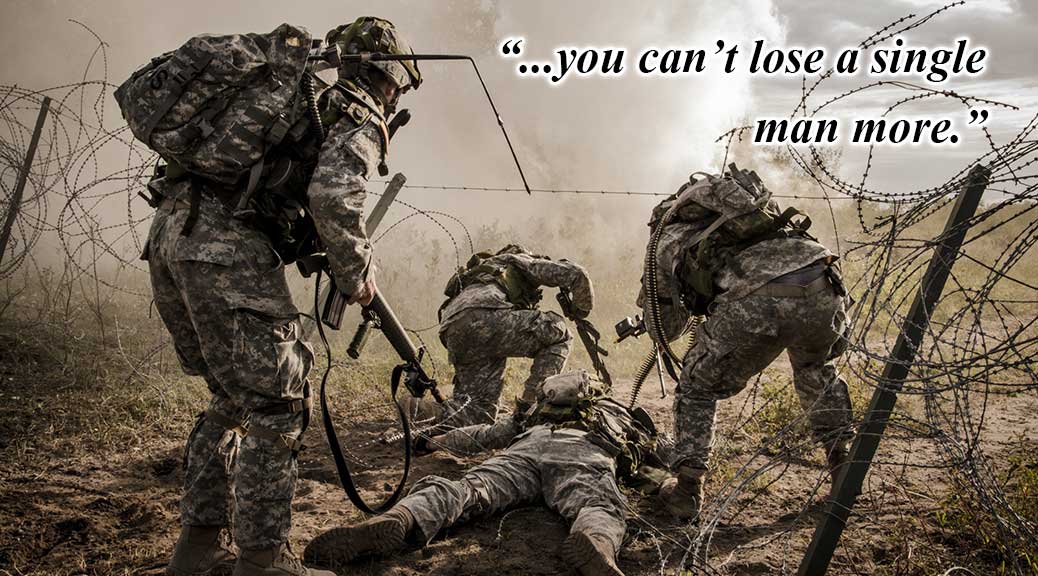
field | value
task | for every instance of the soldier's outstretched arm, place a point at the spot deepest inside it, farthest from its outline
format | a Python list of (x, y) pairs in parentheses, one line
[(558, 273), (478, 438), (336, 194)]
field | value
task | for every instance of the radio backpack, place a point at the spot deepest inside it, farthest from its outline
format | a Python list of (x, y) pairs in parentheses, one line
[(718, 216), (216, 105)]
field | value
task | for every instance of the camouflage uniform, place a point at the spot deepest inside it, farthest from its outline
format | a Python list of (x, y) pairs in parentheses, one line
[(573, 471), (568, 450), (481, 329), (774, 295), (221, 292), (744, 334)]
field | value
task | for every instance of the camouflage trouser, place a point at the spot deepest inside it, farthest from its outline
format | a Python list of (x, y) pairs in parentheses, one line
[(738, 341), (560, 468), (479, 343), (222, 294)]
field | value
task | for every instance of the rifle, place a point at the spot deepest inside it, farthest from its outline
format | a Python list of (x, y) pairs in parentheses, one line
[(589, 335), (380, 315)]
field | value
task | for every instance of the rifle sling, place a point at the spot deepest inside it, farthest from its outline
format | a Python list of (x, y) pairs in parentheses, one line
[(341, 467)]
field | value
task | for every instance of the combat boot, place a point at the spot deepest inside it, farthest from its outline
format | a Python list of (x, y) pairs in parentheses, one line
[(199, 551), (421, 411), (379, 535), (683, 494), (590, 555), (278, 561)]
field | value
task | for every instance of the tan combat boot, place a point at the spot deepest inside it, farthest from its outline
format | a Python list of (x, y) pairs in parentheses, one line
[(199, 551), (590, 555), (421, 411), (683, 494), (379, 535), (279, 561)]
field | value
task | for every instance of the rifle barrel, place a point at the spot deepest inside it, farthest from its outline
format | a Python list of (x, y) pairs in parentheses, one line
[(393, 329)]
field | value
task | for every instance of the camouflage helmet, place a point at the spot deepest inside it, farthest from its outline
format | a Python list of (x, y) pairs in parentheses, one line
[(370, 34)]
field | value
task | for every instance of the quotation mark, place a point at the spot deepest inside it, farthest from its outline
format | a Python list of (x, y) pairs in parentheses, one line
[(982, 115), (510, 49)]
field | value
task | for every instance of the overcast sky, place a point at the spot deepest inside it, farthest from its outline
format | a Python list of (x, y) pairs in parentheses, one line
[(629, 132)]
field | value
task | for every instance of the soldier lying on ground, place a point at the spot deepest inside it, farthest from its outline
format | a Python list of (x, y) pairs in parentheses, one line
[(726, 251), (491, 315), (567, 450)]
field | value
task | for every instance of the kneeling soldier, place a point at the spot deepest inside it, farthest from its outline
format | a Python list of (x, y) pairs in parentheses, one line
[(491, 315)]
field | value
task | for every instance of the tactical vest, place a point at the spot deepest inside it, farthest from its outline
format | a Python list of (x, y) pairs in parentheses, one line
[(520, 291), (628, 435), (280, 203)]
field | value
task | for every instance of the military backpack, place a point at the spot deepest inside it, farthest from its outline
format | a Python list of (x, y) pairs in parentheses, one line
[(216, 105), (735, 212)]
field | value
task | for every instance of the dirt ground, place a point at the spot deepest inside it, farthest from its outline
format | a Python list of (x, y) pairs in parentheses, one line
[(117, 513)]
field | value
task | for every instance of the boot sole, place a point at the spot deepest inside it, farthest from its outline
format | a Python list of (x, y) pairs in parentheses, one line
[(580, 553), (343, 545)]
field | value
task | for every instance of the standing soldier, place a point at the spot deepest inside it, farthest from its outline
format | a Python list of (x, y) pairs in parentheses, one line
[(722, 248), (491, 315), (217, 249)]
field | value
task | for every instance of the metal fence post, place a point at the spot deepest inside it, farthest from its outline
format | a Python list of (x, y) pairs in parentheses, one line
[(23, 177), (827, 533)]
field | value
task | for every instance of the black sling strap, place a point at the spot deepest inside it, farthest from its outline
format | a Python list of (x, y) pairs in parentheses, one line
[(341, 466)]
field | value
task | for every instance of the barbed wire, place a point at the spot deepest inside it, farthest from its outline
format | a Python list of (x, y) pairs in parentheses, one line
[(577, 191), (981, 340)]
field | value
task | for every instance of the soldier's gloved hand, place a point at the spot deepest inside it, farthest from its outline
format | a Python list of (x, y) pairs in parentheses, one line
[(364, 293)]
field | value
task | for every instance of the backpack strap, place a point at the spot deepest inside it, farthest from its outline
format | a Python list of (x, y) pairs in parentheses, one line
[(192, 214), (277, 132), (362, 108)]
